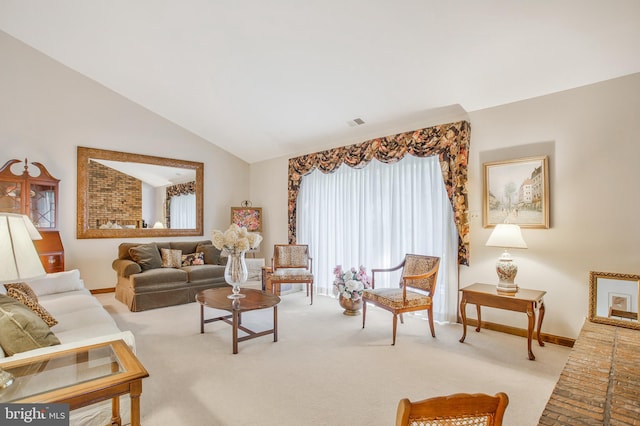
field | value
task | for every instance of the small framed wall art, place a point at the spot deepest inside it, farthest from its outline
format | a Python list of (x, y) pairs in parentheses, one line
[(249, 217), (517, 191)]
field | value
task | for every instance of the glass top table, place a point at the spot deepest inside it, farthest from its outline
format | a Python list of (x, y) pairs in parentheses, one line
[(78, 377)]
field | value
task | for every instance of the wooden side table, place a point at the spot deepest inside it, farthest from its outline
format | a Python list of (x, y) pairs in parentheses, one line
[(523, 301), (79, 377)]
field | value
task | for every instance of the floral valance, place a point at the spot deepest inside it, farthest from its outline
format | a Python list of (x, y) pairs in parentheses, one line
[(181, 189), (450, 142)]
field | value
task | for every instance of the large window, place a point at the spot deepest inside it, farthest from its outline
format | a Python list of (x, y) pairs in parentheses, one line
[(183, 211), (373, 216)]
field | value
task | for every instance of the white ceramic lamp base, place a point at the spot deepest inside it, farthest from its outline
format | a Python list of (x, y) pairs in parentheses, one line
[(507, 270)]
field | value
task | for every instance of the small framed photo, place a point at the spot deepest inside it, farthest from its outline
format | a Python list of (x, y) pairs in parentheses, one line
[(516, 191), (249, 217), (620, 302)]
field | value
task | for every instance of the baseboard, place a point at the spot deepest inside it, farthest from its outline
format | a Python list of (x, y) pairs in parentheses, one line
[(551, 338), (103, 290)]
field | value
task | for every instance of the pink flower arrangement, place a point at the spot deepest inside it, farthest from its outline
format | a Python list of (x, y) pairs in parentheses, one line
[(352, 282)]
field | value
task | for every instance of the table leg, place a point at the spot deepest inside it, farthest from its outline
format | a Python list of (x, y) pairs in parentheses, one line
[(235, 331), (540, 317), (531, 316), (275, 323), (115, 401), (463, 314), (479, 317), (201, 318), (135, 390)]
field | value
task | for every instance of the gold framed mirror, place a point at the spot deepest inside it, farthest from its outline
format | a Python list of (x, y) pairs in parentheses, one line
[(125, 195), (614, 299)]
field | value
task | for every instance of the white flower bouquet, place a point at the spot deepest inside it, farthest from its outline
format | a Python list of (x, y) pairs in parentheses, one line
[(235, 239), (352, 282)]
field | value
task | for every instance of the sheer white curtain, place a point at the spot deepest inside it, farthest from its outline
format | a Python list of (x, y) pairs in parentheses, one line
[(374, 216), (182, 209)]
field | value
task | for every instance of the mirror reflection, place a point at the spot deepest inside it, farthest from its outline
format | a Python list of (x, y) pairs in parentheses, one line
[(131, 195), (148, 195), (614, 299)]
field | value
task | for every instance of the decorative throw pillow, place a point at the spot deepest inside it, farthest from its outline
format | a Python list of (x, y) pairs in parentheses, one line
[(21, 329), (211, 253), (193, 259), (146, 255), (171, 258), (58, 282), (23, 287), (32, 304)]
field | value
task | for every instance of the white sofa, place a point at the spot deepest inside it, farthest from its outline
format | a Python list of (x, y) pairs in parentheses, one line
[(82, 320)]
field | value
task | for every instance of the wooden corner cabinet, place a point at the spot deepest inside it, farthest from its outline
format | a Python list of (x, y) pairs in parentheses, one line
[(37, 197)]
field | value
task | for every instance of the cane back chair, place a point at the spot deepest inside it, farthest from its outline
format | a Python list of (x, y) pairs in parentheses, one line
[(454, 410), (417, 286), (291, 264)]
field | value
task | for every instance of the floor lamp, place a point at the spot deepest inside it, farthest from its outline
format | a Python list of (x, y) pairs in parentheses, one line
[(19, 259)]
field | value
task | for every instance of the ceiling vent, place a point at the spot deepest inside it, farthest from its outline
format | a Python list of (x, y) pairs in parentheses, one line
[(355, 122)]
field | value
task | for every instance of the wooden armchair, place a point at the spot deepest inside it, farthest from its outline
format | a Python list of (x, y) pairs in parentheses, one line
[(291, 264), (457, 409), (419, 273)]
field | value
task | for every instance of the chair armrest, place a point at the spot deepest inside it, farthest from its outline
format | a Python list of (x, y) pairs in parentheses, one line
[(373, 272), (421, 276), (125, 267)]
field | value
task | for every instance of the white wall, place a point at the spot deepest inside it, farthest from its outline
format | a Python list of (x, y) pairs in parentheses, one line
[(48, 110), (591, 135)]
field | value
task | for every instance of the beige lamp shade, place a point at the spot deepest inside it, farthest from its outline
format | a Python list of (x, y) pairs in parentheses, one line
[(19, 258), (506, 235)]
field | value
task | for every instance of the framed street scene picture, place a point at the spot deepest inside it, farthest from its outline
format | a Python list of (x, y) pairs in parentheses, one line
[(517, 191), (249, 217)]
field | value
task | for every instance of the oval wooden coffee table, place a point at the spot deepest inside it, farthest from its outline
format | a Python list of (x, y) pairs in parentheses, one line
[(255, 299)]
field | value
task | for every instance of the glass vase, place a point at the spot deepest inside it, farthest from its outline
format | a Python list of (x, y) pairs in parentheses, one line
[(235, 273)]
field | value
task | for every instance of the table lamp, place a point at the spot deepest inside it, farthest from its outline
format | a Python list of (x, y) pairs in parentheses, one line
[(506, 235), (19, 258)]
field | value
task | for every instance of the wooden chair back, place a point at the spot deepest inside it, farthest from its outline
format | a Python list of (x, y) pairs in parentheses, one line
[(424, 269), (291, 256), (457, 409)]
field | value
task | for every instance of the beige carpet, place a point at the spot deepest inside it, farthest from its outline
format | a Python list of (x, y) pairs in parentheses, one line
[(324, 369)]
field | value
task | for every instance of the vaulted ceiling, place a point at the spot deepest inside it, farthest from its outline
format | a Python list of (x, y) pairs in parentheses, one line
[(268, 78)]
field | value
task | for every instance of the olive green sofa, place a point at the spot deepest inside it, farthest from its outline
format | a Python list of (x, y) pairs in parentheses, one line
[(144, 283)]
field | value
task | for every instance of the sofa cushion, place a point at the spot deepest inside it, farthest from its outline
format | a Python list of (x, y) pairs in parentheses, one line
[(193, 259), (32, 304), (58, 282), (203, 272), (188, 246), (157, 279), (123, 248), (59, 304), (211, 253), (21, 329), (146, 255), (171, 258)]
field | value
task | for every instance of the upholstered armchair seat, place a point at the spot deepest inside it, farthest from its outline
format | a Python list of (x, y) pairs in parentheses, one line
[(393, 298), (415, 293)]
